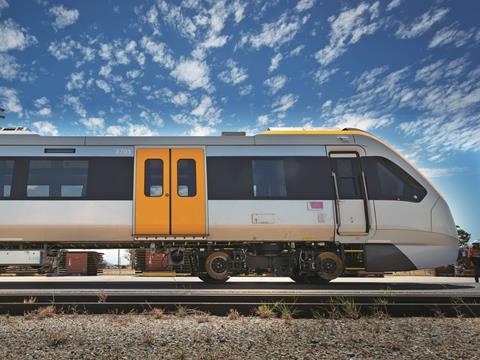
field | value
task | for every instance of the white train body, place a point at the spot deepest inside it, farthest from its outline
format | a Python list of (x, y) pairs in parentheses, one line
[(312, 187)]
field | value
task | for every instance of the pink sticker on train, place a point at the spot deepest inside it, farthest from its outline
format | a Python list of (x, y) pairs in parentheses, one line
[(316, 204)]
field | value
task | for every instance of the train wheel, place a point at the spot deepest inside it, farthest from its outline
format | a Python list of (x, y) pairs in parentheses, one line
[(216, 266), (331, 265)]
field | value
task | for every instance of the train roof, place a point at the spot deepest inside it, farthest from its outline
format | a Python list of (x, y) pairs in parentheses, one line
[(274, 136)]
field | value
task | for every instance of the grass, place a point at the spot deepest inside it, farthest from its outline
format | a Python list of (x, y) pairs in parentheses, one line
[(181, 311), (266, 311), (157, 313), (41, 313), (233, 314)]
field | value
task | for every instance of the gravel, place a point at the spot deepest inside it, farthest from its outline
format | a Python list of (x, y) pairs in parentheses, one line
[(210, 337)]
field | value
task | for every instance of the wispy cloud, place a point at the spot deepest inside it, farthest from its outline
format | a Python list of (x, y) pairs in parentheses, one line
[(275, 83), (348, 28), (421, 24), (234, 74), (277, 33), (46, 128), (63, 17)]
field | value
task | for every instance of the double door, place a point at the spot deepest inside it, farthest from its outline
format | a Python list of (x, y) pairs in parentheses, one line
[(170, 192)]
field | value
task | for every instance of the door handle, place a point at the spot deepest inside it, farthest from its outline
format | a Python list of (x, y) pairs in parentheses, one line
[(167, 194)]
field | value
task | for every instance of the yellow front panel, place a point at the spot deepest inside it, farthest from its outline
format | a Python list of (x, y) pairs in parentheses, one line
[(152, 207), (188, 206)]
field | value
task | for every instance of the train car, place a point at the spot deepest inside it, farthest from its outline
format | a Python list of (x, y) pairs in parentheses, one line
[(308, 204)]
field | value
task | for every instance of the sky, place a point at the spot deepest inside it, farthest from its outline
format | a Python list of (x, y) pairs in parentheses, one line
[(407, 71)]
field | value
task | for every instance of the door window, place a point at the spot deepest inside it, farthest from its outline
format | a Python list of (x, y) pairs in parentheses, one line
[(6, 174), (347, 172), (153, 177), (187, 178)]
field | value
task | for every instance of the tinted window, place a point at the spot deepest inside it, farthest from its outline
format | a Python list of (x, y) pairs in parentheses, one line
[(153, 177), (6, 174), (187, 179), (348, 175), (300, 178), (57, 178), (387, 181), (110, 178), (268, 179), (229, 178)]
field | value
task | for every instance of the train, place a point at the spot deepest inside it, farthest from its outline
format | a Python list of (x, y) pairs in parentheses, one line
[(310, 204)]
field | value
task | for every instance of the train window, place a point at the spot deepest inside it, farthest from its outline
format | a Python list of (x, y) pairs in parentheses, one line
[(187, 179), (293, 178), (110, 178), (57, 178), (308, 178), (387, 181), (229, 178), (6, 174), (269, 179), (347, 172), (153, 177)]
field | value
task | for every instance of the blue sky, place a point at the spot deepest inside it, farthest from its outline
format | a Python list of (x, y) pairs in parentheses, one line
[(408, 71)]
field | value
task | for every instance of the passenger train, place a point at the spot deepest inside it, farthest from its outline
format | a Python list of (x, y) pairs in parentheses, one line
[(307, 204)]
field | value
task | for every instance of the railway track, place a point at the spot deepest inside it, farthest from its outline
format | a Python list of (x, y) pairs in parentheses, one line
[(396, 299)]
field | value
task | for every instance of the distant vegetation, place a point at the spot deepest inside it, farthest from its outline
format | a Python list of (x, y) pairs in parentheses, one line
[(463, 236)]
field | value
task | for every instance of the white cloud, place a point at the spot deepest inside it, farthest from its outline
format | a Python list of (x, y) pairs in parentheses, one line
[(139, 130), (303, 5), (275, 83), (263, 120), (206, 111), (63, 17), (46, 128), (114, 130), (133, 74), (42, 104), (275, 62), (234, 75), (159, 52), (452, 35), (421, 24), (439, 172), (76, 81), (102, 84), (8, 67), (201, 130), (364, 122), (245, 90), (368, 78), (239, 11), (284, 103), (323, 75), (14, 37), (173, 16), (394, 4), (70, 49), (152, 117), (297, 50), (193, 73), (10, 101), (93, 124), (276, 33), (347, 29), (75, 103), (3, 4), (180, 99)]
